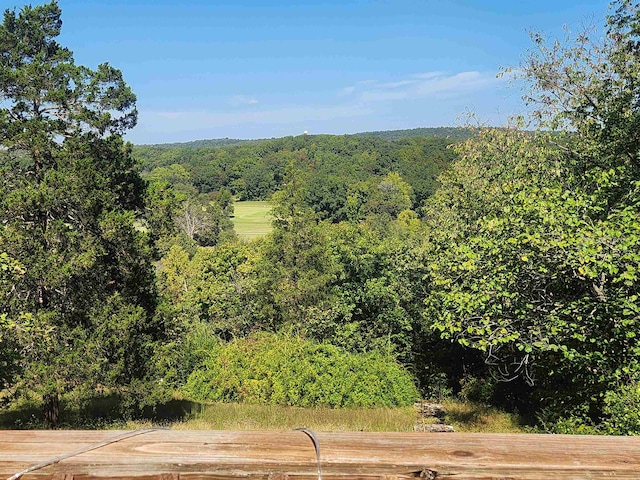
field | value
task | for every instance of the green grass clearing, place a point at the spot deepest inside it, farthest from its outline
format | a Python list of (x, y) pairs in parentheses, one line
[(251, 219)]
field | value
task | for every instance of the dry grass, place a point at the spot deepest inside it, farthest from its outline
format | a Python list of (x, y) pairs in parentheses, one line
[(470, 417), (182, 414), (273, 417), (465, 417)]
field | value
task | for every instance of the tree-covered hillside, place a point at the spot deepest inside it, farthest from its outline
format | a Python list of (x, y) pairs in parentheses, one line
[(451, 133), (215, 142), (336, 169)]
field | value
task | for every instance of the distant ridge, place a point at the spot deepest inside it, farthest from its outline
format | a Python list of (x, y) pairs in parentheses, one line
[(452, 133), (214, 142)]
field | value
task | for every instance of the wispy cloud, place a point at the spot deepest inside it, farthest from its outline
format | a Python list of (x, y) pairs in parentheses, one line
[(428, 75), (421, 98), (400, 83), (421, 85), (239, 100), (185, 120), (346, 91)]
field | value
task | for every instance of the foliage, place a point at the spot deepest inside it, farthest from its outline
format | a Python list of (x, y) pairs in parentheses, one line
[(190, 347), (291, 371), (454, 133), (175, 209), (295, 265), (355, 286), (479, 390), (202, 222), (533, 275), (441, 132), (588, 84), (536, 253), (11, 328), (622, 408), (334, 164), (548, 421), (215, 286), (374, 299), (518, 248), (69, 194)]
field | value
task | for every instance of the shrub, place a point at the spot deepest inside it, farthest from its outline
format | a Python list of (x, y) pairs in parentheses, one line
[(476, 389), (623, 410), (291, 371)]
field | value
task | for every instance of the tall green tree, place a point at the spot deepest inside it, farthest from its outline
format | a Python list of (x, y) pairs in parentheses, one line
[(69, 193), (536, 256)]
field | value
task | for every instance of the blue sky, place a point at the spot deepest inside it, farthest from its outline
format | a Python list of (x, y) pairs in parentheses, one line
[(260, 69)]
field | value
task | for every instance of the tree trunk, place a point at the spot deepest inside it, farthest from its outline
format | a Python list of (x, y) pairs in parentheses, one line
[(51, 410)]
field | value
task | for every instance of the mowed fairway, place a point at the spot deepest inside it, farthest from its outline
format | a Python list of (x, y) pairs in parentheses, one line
[(251, 219)]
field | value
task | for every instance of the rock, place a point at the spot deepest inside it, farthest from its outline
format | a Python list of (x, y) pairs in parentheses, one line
[(428, 409), (432, 428)]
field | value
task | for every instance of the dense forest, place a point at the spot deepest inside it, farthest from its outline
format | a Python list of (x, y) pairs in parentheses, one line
[(498, 264), (339, 173)]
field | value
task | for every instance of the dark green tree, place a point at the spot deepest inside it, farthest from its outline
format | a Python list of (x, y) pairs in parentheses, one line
[(69, 193)]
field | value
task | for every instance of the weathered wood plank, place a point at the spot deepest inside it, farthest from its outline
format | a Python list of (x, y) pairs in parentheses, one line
[(289, 455)]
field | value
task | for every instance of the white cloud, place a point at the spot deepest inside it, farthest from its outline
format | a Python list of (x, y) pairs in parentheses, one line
[(239, 100), (346, 91), (422, 85), (427, 75), (418, 99), (400, 83)]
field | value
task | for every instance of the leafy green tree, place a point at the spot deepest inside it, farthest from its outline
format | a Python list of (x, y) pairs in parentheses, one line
[(203, 221), (294, 263), (327, 196), (174, 174), (390, 196), (374, 299), (420, 160), (221, 290), (536, 253), (69, 193), (224, 199), (588, 85), (622, 408), (161, 208)]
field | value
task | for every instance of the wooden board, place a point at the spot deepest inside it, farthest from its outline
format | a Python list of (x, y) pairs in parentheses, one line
[(290, 455)]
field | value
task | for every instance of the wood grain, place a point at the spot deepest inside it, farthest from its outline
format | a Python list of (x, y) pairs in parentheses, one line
[(290, 455)]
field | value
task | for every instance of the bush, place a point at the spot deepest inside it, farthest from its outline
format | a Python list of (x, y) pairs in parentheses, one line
[(474, 389), (191, 346), (623, 410), (291, 371)]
